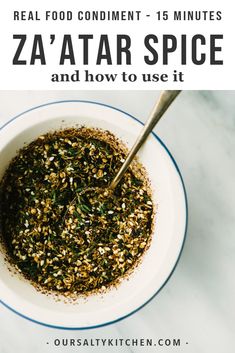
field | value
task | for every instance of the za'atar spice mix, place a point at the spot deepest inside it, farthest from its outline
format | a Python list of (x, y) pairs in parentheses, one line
[(62, 238)]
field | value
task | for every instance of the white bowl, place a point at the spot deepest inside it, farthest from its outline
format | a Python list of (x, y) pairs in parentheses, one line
[(171, 221)]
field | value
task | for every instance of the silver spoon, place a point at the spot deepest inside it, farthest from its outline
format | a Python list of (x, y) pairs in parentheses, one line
[(164, 101)]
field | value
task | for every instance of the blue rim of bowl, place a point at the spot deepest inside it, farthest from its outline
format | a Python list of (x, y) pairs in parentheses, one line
[(185, 231)]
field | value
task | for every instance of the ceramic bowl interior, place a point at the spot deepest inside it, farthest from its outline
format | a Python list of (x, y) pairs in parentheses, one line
[(170, 225)]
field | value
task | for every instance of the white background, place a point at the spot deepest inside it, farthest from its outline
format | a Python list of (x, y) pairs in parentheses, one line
[(197, 304), (39, 77)]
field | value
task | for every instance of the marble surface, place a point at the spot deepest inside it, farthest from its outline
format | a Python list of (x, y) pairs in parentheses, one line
[(197, 304)]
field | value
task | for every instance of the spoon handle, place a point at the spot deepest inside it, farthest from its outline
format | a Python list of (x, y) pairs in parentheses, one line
[(164, 101)]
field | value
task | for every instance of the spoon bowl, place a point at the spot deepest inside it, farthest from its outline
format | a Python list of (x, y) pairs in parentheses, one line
[(165, 100)]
